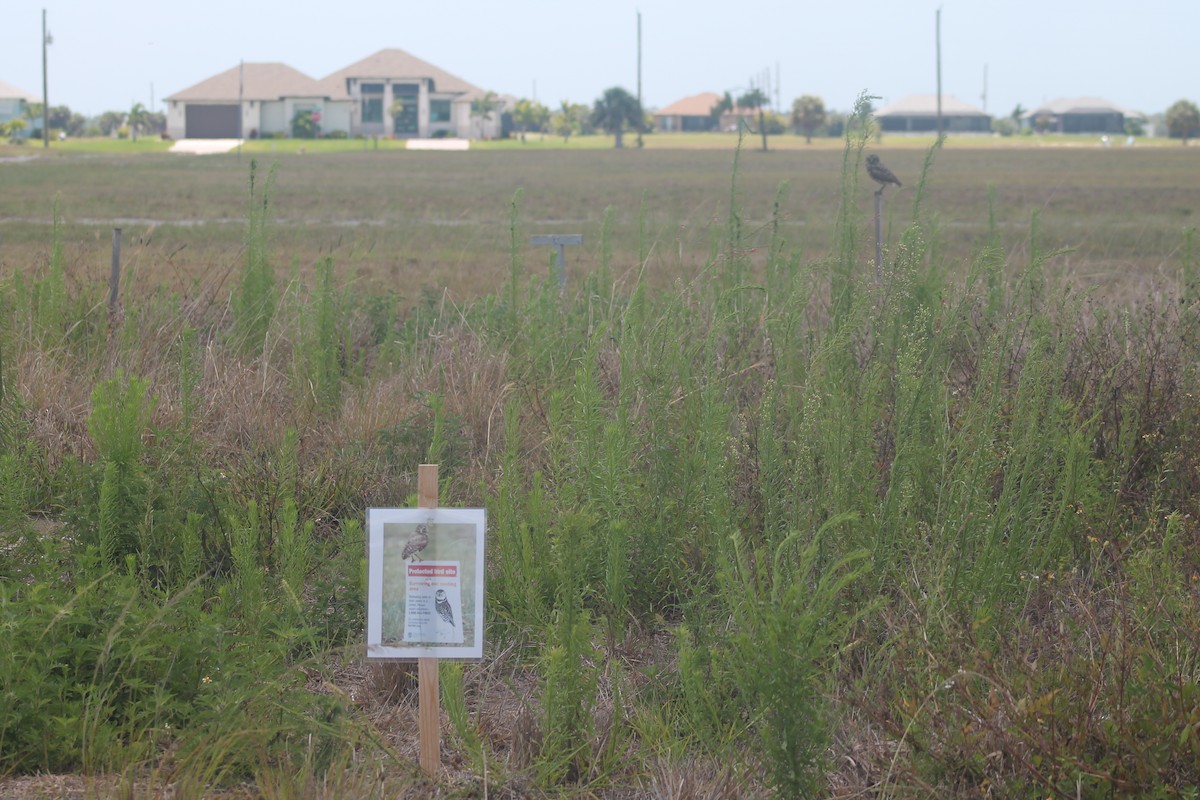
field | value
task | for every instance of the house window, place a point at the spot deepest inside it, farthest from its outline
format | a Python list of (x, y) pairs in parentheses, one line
[(372, 102), (372, 109), (439, 110), (404, 116)]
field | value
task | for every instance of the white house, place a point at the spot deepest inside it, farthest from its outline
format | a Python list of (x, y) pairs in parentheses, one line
[(390, 93), (247, 101), (393, 93)]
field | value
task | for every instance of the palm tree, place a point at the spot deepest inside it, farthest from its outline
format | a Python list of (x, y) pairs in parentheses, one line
[(1017, 112), (566, 120), (808, 114), (756, 99), (482, 108), (720, 109), (138, 117), (614, 110)]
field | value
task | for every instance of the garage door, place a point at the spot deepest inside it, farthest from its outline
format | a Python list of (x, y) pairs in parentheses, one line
[(211, 122)]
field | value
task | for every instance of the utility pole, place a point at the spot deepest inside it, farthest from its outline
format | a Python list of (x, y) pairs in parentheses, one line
[(641, 111), (778, 99), (939, 72), (984, 88), (241, 110), (46, 40)]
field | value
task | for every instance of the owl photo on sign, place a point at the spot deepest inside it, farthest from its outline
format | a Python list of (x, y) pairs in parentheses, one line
[(442, 603), (416, 543)]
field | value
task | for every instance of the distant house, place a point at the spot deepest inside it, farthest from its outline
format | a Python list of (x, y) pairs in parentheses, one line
[(917, 113), (246, 101), (390, 93), (427, 100), (1079, 115), (689, 114), (12, 102), (694, 113)]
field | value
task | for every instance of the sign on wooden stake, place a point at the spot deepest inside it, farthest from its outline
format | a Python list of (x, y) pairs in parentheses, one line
[(425, 597)]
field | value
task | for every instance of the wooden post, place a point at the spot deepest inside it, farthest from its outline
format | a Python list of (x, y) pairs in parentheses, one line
[(428, 710), (114, 278), (878, 235)]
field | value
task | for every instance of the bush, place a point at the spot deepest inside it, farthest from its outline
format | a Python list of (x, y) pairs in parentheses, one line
[(1004, 126), (337, 135), (303, 126)]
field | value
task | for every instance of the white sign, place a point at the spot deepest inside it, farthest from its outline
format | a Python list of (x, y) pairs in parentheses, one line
[(433, 602), (425, 594)]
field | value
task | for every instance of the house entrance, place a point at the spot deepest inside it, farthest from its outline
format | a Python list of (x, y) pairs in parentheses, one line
[(406, 118)]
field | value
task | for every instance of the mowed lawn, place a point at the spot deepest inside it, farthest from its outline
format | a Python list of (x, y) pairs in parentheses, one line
[(414, 221)]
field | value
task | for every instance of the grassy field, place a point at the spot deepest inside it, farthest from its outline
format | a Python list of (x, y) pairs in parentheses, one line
[(417, 220), (762, 521)]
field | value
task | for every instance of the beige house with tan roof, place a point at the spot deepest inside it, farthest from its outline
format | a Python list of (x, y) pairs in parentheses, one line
[(246, 102), (390, 93), (427, 100)]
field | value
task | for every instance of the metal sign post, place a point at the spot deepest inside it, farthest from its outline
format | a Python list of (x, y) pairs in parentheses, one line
[(559, 240)]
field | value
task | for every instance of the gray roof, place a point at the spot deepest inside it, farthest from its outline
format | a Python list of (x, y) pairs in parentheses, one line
[(10, 92), (1079, 105), (925, 105), (258, 82), (394, 64)]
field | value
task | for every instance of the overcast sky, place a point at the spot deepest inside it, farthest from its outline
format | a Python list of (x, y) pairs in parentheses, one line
[(1141, 54)]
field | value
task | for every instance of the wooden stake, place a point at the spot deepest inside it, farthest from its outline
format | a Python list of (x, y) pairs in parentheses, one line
[(428, 705), (114, 277), (879, 235)]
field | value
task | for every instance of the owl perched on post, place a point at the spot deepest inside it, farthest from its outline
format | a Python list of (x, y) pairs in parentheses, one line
[(442, 603), (879, 173), (416, 543)]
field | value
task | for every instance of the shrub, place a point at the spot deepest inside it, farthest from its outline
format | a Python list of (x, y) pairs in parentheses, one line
[(303, 126)]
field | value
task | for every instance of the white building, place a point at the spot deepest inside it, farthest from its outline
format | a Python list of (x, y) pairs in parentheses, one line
[(390, 93)]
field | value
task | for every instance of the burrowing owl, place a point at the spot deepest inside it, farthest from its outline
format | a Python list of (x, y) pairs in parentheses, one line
[(879, 173), (416, 543), (442, 603)]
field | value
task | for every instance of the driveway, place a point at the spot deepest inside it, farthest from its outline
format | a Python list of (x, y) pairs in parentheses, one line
[(204, 147)]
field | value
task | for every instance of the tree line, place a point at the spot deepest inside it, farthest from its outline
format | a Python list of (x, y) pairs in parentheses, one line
[(137, 121), (617, 112)]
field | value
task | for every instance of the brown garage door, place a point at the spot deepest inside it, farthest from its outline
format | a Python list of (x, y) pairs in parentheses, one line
[(211, 122)]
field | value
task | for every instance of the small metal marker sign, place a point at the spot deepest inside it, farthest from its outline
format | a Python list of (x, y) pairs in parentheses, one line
[(559, 240)]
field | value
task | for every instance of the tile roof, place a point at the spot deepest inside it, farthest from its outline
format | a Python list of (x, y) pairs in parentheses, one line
[(1079, 105), (10, 92), (393, 63), (258, 82), (697, 105), (920, 105)]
